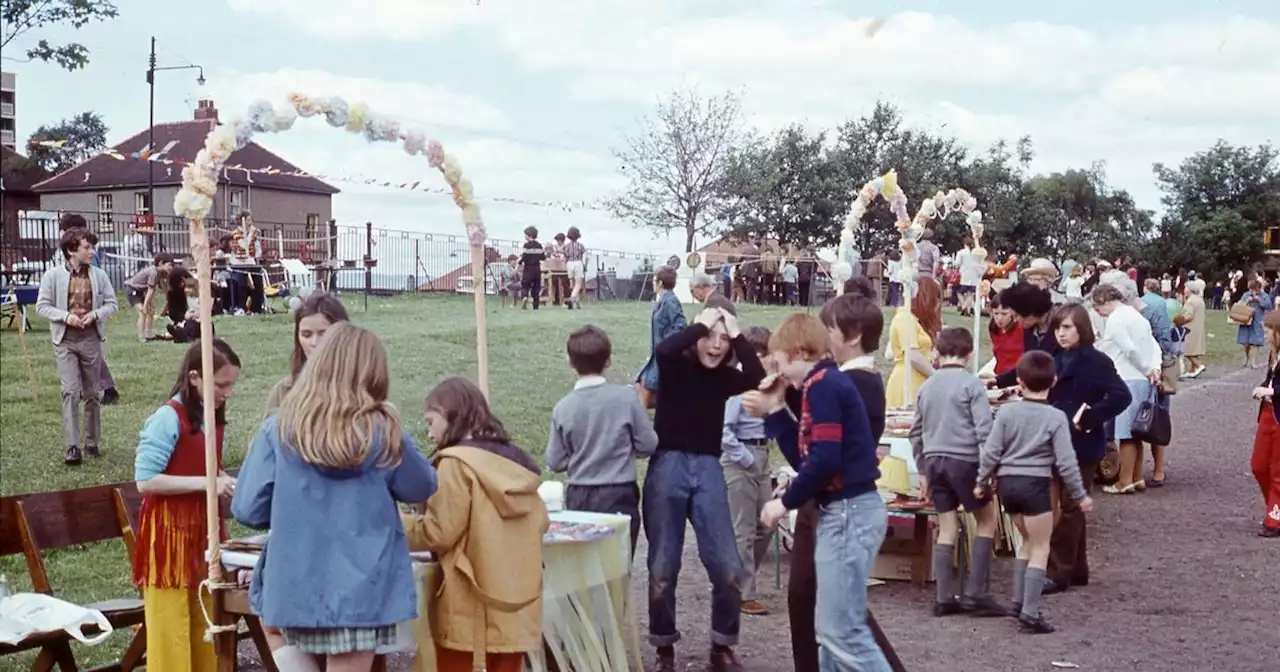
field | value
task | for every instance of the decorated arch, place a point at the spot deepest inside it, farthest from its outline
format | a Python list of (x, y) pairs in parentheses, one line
[(195, 199)]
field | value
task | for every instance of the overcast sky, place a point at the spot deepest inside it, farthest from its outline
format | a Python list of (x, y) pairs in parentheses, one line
[(531, 95)]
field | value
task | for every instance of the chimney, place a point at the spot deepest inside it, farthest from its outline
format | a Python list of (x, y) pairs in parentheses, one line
[(206, 110)]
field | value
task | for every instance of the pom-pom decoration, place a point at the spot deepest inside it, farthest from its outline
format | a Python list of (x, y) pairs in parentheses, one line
[(200, 179)]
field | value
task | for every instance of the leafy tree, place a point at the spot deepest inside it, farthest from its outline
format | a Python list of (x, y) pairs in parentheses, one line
[(20, 17), (68, 143), (677, 165), (869, 146), (998, 180), (1218, 204), (786, 188)]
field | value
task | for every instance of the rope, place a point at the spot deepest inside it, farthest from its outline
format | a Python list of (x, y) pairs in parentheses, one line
[(211, 628)]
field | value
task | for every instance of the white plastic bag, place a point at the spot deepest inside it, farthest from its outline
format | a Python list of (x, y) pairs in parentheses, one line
[(27, 614)]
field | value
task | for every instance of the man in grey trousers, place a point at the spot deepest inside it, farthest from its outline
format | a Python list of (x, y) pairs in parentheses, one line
[(77, 298)]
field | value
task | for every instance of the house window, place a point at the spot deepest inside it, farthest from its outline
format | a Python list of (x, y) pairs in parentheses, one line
[(1271, 240), (313, 220), (105, 208), (236, 203), (140, 203)]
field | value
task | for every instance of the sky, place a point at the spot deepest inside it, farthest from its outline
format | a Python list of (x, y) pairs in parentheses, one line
[(532, 96)]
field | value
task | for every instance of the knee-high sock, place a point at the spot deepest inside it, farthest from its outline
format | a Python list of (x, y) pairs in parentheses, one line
[(944, 572), (292, 659), (978, 583), (1032, 589), (1019, 576)]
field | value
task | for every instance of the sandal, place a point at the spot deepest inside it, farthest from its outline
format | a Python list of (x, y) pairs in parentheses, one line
[(1116, 490), (1157, 483), (1139, 486)]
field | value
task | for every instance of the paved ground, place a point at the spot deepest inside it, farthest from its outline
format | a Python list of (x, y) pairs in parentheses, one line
[(1180, 581)]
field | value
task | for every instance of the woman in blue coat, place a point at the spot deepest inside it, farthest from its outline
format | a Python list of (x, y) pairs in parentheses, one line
[(1091, 393), (1251, 335), (668, 318)]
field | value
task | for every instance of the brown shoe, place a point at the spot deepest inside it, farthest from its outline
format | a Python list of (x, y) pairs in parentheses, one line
[(73, 456), (723, 660), (92, 451), (666, 661), (753, 608)]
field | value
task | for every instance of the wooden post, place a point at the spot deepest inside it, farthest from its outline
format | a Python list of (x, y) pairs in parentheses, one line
[(977, 326), (368, 256), (204, 275), (480, 287)]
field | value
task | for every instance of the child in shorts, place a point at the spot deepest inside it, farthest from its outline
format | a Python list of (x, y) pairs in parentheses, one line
[(953, 420), (1028, 441)]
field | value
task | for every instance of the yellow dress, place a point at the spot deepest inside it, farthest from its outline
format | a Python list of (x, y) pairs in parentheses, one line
[(900, 338)]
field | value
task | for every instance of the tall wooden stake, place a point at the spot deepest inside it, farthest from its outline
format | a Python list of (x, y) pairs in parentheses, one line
[(204, 275), (480, 286)]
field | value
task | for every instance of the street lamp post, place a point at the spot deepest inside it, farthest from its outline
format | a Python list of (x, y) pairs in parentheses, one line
[(151, 123)]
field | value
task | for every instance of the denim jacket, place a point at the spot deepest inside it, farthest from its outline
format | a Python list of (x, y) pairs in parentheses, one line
[(668, 318)]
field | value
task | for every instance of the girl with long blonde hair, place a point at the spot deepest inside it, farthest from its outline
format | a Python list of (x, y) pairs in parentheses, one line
[(324, 475)]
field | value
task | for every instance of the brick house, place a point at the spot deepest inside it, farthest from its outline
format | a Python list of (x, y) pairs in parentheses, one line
[(18, 177), (111, 193)]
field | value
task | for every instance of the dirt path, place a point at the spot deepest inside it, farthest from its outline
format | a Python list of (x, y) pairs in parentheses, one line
[(1180, 582)]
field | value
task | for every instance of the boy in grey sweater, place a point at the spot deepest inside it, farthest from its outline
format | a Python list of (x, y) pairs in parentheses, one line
[(1028, 442), (597, 432), (953, 419)]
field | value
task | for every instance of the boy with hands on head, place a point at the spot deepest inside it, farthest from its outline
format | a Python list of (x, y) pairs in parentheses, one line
[(1028, 441)]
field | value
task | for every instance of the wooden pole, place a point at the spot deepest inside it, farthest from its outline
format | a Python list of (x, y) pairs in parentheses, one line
[(480, 287), (977, 325), (204, 275), (26, 355)]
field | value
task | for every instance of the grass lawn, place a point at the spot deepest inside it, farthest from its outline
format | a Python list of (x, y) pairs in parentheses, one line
[(429, 338)]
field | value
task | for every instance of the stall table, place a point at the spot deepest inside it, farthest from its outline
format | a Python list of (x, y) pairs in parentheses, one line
[(588, 624)]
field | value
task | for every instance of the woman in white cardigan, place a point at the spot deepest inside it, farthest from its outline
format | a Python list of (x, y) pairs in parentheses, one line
[(1127, 340)]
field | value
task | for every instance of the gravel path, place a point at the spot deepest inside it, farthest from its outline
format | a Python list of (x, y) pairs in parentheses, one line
[(1179, 579)]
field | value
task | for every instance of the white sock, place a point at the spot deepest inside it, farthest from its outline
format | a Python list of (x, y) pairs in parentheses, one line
[(292, 659)]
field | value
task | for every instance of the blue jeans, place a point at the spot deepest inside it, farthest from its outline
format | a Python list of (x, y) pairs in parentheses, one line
[(682, 488), (850, 532)]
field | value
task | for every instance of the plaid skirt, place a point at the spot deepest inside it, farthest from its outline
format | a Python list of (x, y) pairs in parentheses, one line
[(325, 642)]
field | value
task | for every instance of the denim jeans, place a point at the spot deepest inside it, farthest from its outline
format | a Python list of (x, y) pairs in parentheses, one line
[(682, 488), (850, 532)]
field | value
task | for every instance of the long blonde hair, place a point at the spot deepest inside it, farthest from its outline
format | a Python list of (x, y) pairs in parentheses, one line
[(337, 410)]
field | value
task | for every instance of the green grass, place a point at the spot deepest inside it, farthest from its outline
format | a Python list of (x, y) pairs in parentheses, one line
[(428, 338)]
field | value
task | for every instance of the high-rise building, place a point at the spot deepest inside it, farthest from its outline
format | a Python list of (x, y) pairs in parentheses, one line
[(8, 110)]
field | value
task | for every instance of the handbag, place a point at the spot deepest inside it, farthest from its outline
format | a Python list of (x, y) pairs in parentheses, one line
[(1168, 374), (1241, 313), (1152, 423)]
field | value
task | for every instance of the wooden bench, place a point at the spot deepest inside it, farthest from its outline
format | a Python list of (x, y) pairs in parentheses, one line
[(31, 524)]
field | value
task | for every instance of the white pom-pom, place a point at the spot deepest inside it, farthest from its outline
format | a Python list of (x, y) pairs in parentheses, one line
[(841, 271), (294, 304)]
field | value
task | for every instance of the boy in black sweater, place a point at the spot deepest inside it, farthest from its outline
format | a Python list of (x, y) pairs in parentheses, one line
[(531, 260), (832, 448), (854, 324), (685, 482)]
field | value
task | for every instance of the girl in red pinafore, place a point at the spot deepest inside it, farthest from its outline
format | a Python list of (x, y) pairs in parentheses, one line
[(1265, 462), (169, 556), (1007, 341)]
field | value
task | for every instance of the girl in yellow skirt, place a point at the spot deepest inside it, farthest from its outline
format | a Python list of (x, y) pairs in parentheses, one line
[(169, 556)]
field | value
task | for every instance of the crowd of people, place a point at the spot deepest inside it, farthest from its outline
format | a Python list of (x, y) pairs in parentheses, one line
[(331, 461)]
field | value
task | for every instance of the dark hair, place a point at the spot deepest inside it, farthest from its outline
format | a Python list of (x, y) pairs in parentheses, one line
[(318, 303), (175, 297), (188, 395), (1079, 318), (758, 338), (860, 286), (573, 233), (224, 243), (855, 315), (954, 342), (72, 221), (466, 411), (559, 236), (512, 258), (71, 239), (163, 258), (968, 241), (589, 350), (530, 232), (1026, 300), (666, 277), (1035, 371)]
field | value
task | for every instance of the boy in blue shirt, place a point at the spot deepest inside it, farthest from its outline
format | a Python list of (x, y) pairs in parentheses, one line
[(745, 458), (834, 453)]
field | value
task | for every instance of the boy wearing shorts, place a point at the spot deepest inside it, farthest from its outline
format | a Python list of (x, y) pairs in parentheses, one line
[(953, 420), (1028, 441), (141, 290)]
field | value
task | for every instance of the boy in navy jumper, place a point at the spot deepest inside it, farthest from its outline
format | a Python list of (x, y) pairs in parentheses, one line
[(832, 448)]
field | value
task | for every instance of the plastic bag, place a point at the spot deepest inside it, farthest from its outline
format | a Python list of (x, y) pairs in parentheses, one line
[(27, 614)]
